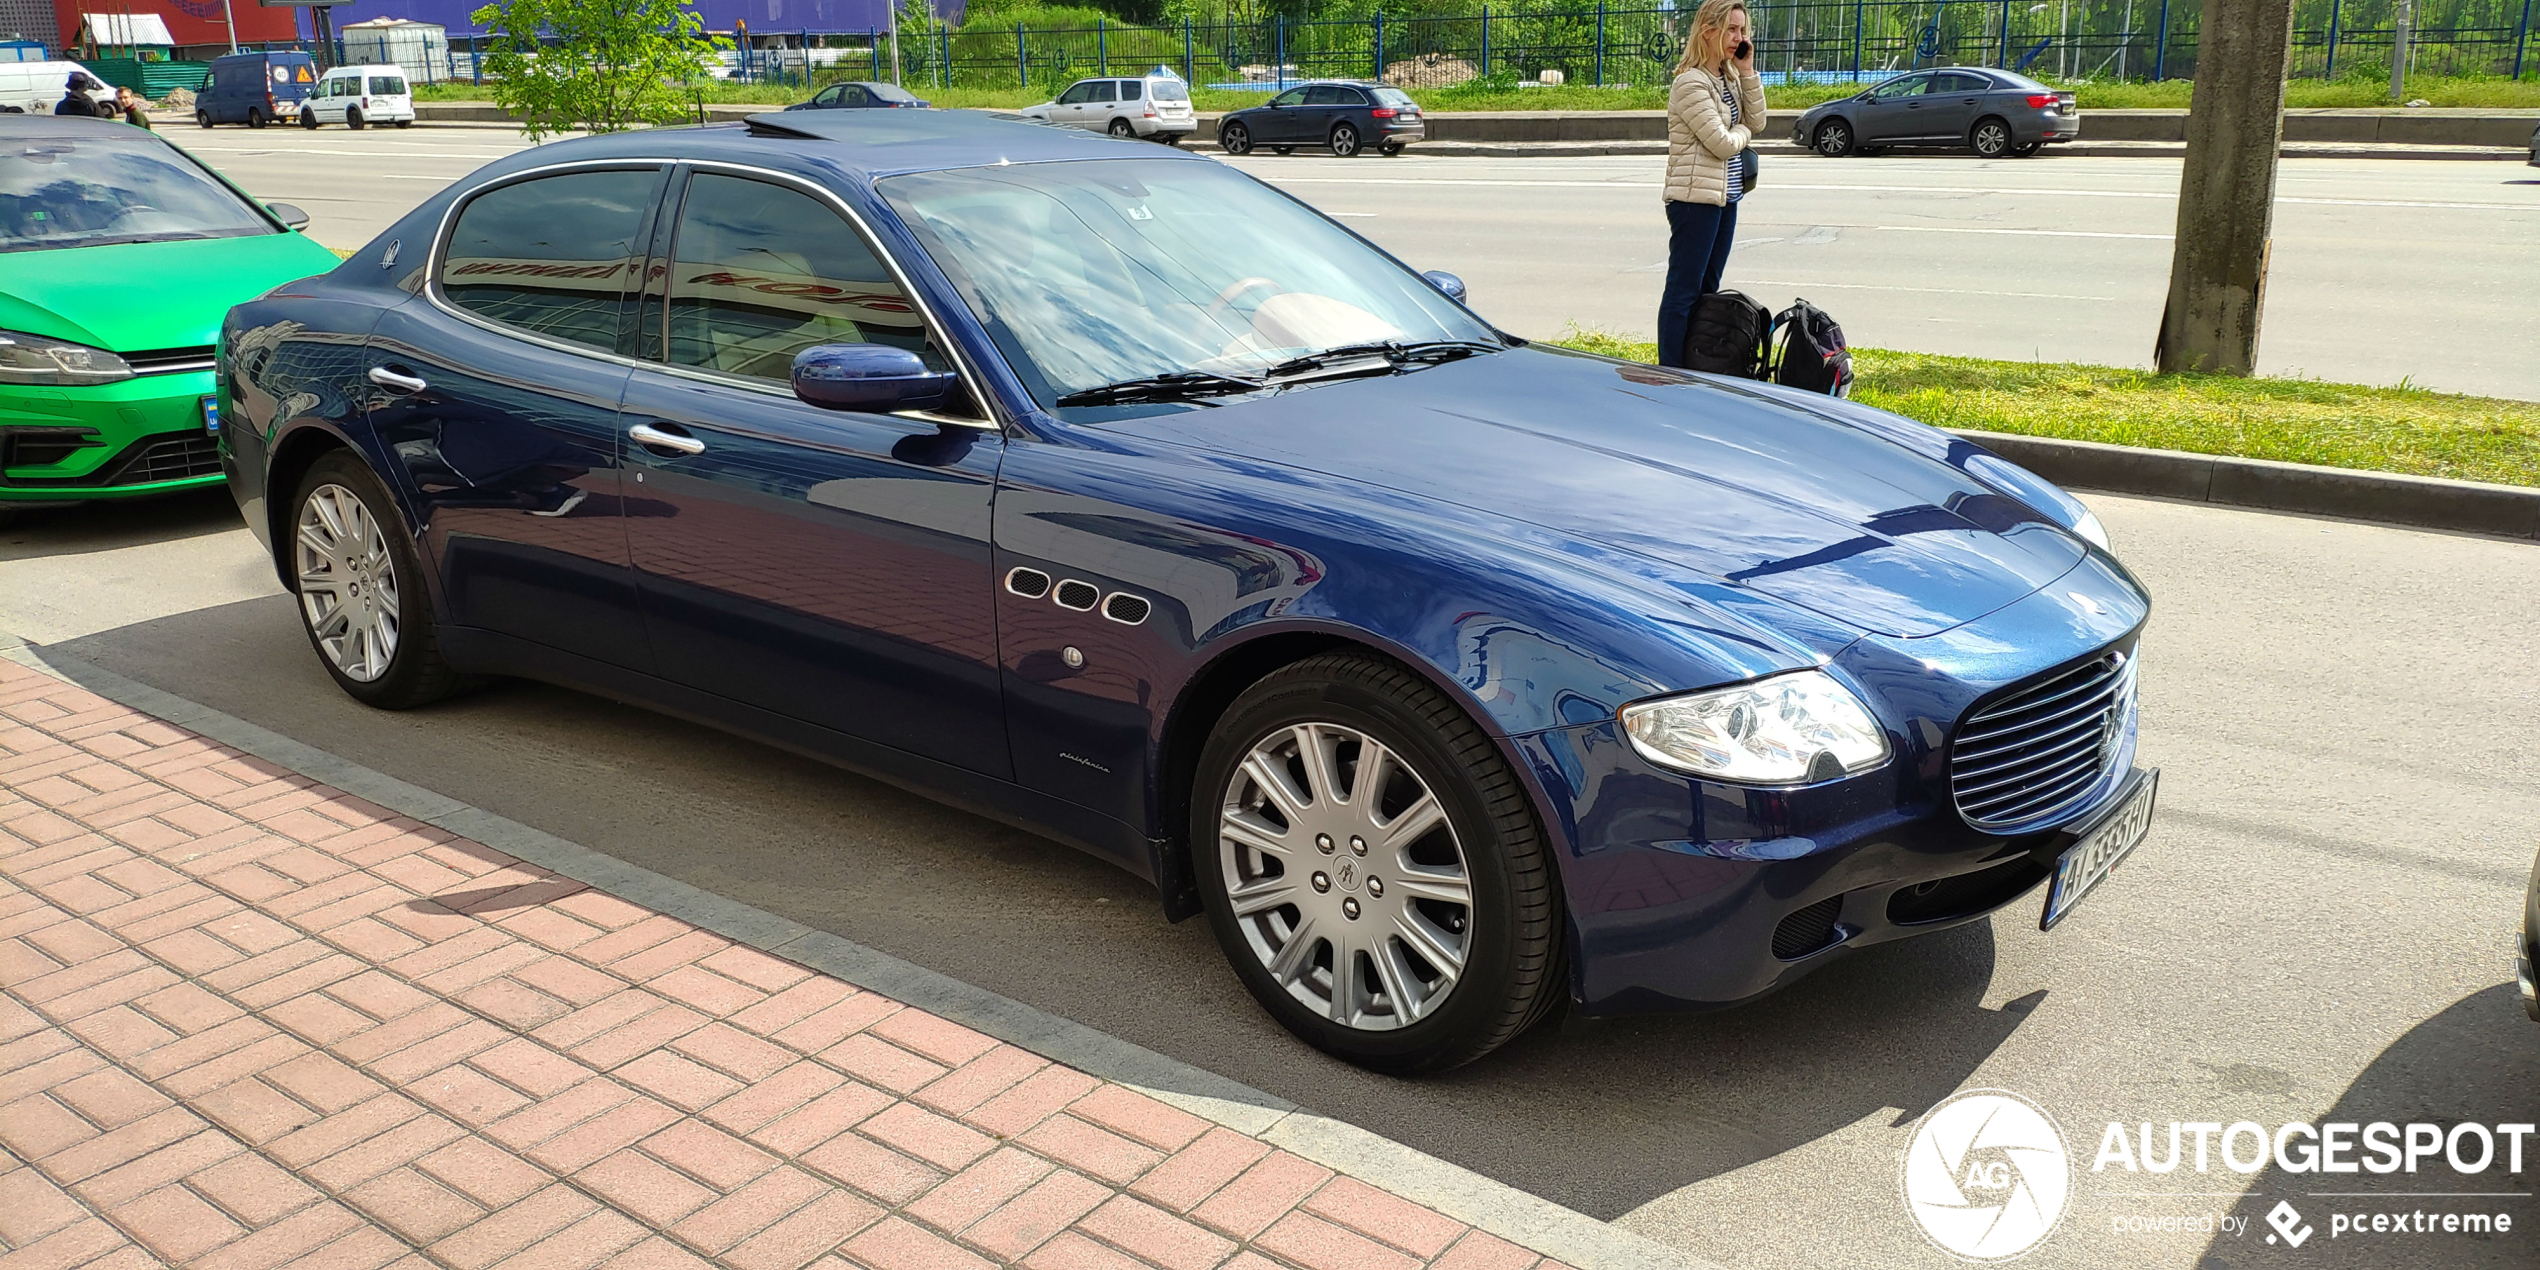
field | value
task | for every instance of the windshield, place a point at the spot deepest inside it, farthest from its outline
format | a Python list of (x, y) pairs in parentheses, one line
[(1093, 273), (88, 191)]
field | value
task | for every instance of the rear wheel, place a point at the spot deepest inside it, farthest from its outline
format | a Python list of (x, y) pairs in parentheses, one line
[(1834, 139), (360, 586), (1345, 140), (1990, 139), (1234, 138), (255, 118), (353, 120), (1123, 129), (1372, 868)]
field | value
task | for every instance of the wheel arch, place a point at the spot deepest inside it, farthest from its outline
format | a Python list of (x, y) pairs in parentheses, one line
[(293, 456), (1992, 116)]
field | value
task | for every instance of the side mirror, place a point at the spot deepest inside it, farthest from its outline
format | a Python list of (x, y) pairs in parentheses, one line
[(1447, 284), (290, 216), (870, 377)]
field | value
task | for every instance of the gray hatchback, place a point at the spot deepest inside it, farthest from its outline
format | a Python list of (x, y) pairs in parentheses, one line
[(1995, 113)]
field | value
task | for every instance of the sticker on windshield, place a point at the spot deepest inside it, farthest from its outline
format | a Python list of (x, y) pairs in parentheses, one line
[(1140, 213)]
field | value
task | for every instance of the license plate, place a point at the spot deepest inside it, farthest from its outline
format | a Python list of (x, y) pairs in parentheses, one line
[(2097, 850), (211, 415)]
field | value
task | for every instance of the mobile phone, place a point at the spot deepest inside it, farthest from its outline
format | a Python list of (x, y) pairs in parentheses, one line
[(1744, 47)]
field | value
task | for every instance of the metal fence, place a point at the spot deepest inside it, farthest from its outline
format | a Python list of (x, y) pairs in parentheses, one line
[(1809, 41)]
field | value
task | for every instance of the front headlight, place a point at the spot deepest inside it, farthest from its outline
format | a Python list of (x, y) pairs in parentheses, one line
[(37, 359), (1788, 729)]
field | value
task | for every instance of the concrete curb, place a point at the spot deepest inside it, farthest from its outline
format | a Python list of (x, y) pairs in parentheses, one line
[(1460, 1193), (2424, 502)]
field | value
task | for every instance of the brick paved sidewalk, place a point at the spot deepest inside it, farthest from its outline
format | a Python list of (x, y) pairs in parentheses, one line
[(252, 1021)]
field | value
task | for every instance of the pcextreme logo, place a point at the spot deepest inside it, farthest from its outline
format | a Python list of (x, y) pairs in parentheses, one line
[(1987, 1176)]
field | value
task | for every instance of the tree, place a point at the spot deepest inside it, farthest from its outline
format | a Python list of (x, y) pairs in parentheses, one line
[(2226, 191), (598, 65)]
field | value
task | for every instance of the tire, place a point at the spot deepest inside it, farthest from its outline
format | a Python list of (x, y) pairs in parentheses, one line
[(1234, 138), (405, 123), (308, 119), (2028, 151), (1345, 140), (202, 119), (1833, 139), (1409, 1014), (371, 547), (1124, 130), (1283, 149), (1167, 138), (255, 119), (353, 119), (1990, 138), (1390, 149)]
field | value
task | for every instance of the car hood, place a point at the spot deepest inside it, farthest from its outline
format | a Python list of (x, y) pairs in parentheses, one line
[(134, 296), (1759, 493)]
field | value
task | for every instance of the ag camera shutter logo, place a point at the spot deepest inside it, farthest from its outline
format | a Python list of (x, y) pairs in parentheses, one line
[(1987, 1176)]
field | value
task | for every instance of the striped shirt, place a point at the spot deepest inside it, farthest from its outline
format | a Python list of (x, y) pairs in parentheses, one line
[(1736, 176)]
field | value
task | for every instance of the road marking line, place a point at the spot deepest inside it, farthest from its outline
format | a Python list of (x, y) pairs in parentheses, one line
[(1872, 286), (2029, 233)]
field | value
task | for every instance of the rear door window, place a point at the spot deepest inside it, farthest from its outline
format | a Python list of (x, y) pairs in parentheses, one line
[(387, 86), (554, 255), (1104, 90)]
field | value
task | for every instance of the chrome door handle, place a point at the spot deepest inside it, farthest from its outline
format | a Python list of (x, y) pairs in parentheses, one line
[(387, 378), (647, 434)]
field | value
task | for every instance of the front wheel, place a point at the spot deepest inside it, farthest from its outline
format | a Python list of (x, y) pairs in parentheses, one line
[(2028, 151), (1834, 139), (1373, 869), (1123, 129), (1389, 149), (1991, 139), (360, 586), (202, 119), (1235, 138), (1345, 140), (309, 120)]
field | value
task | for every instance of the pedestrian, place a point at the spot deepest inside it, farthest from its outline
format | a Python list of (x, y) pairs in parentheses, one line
[(79, 97), (1713, 110), (136, 110)]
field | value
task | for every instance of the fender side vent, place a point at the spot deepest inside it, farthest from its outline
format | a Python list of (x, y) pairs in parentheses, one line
[(1031, 584), (1807, 930), (1076, 595), (1126, 609)]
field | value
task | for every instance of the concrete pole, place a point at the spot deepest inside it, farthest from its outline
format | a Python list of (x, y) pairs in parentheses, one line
[(2226, 194), (2399, 51)]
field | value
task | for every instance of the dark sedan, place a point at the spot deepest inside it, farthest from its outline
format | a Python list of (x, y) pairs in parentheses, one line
[(862, 95), (1995, 113), (1345, 116), (1119, 495)]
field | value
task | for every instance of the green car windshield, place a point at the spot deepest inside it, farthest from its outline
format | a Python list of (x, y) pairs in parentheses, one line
[(93, 190)]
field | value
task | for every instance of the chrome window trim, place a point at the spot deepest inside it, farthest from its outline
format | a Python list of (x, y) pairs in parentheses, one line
[(449, 219)]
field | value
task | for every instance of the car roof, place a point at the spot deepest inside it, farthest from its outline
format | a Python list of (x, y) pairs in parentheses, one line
[(39, 127), (864, 144)]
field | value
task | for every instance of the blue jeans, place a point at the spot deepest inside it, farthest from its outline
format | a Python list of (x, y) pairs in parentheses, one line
[(1698, 238)]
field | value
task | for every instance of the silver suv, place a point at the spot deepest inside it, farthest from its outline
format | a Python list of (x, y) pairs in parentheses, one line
[(1153, 106)]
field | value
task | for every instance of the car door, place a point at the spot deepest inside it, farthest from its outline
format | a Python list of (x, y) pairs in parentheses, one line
[(1950, 105), (331, 98), (1894, 111), (1101, 96), (1070, 106), (827, 566), (498, 391), (1282, 121)]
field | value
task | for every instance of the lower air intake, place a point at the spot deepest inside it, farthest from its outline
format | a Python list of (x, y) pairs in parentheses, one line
[(1807, 930)]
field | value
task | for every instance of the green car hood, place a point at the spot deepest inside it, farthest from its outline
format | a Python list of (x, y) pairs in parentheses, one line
[(130, 297)]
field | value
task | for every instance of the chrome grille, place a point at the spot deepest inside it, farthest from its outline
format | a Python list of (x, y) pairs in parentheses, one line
[(2043, 747), (166, 361)]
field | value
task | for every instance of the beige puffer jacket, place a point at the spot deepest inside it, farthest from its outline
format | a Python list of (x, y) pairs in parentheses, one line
[(1700, 138)]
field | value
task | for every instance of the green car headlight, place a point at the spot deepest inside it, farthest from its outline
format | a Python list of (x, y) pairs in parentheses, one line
[(37, 359)]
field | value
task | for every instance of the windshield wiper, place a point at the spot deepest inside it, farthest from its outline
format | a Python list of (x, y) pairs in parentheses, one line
[(1395, 354), (1180, 385)]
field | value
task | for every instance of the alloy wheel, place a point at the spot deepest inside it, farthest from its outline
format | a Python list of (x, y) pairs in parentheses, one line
[(1833, 139), (1992, 139), (1345, 141), (1235, 138), (348, 582), (1345, 876), (1123, 129)]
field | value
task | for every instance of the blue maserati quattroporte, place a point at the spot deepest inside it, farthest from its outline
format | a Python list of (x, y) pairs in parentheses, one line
[(1113, 493)]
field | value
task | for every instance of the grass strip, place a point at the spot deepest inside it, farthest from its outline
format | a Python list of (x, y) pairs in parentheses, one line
[(2402, 429)]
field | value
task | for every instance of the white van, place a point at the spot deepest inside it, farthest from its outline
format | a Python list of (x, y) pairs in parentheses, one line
[(32, 88), (357, 96), (1157, 107)]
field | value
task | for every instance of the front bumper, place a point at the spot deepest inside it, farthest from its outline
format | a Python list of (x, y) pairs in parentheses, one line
[(1693, 894), (146, 436)]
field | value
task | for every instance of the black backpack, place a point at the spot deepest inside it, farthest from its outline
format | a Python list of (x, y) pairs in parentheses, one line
[(1730, 335), (1811, 352)]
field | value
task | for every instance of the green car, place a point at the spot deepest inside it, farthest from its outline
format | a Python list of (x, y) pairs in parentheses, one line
[(119, 254)]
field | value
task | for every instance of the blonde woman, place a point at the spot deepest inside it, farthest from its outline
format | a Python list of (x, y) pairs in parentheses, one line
[(1713, 111)]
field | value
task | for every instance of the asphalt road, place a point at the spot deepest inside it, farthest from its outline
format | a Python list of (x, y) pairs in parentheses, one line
[(2382, 270), (2350, 738)]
